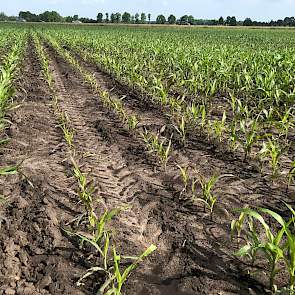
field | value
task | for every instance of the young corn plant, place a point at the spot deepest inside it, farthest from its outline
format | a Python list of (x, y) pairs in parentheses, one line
[(154, 145), (275, 244), (164, 152), (117, 277), (185, 177), (8, 170), (100, 236), (193, 113), (219, 127), (208, 197), (286, 122), (181, 129), (237, 226), (132, 122), (86, 191), (274, 151), (250, 134), (67, 130), (203, 117)]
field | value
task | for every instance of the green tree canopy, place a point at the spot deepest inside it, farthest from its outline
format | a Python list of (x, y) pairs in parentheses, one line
[(143, 18), (28, 16), (3, 17), (69, 19), (161, 19), (118, 17), (247, 22), (136, 16), (191, 19), (184, 19), (231, 21), (126, 17), (51, 16), (99, 17), (221, 21), (113, 18), (171, 19)]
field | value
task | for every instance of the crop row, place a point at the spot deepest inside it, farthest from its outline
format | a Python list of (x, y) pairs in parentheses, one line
[(100, 237), (8, 70), (276, 243), (258, 126)]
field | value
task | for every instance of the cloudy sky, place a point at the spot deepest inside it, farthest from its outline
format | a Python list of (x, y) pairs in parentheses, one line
[(256, 9)]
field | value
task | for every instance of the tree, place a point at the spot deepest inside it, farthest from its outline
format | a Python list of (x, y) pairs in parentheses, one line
[(233, 21), (136, 18), (69, 19), (126, 17), (289, 21), (228, 20), (221, 21), (52, 16), (191, 20), (3, 17), (171, 19), (247, 22), (149, 17), (107, 18), (184, 19), (113, 18), (161, 19), (132, 19), (75, 17), (28, 16), (143, 18), (100, 17), (118, 17)]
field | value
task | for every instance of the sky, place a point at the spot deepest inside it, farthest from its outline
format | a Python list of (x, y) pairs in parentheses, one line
[(263, 10)]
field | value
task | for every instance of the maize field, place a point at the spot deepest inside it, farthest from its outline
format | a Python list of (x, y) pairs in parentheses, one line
[(146, 160)]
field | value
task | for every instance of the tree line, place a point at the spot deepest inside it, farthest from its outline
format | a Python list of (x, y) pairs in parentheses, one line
[(142, 18)]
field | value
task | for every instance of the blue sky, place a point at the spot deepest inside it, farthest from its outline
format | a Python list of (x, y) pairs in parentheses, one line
[(256, 9)]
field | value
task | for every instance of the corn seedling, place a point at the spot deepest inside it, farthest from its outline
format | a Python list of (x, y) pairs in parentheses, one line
[(219, 127), (117, 277), (249, 130), (237, 226), (275, 245), (181, 129), (100, 237), (8, 170), (273, 150), (184, 175), (132, 122), (208, 197), (67, 131), (154, 145), (86, 191)]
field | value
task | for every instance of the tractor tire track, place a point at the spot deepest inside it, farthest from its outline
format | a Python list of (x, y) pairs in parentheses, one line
[(187, 258), (242, 188)]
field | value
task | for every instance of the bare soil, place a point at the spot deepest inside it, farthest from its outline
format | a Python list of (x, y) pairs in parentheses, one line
[(195, 254)]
